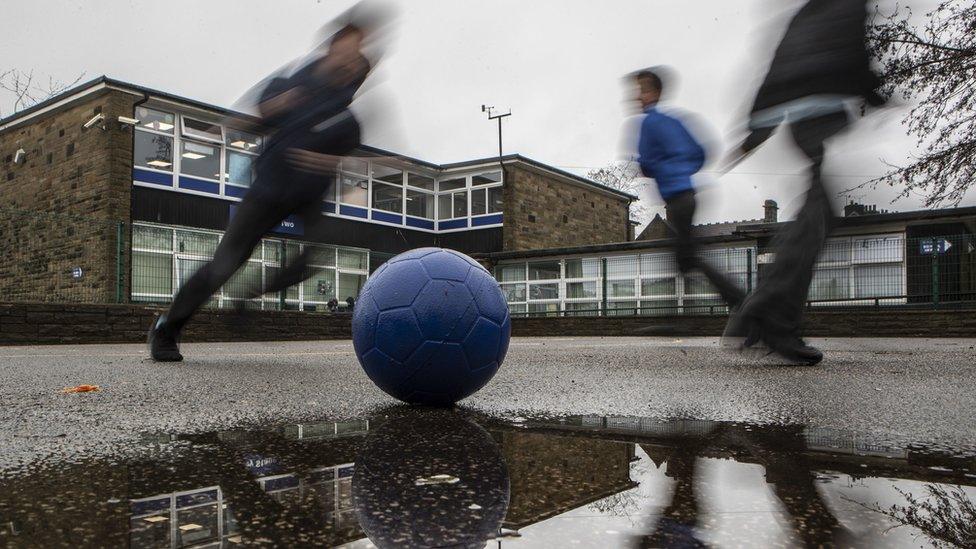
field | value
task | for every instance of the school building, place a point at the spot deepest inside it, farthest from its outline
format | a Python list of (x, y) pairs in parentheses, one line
[(115, 193)]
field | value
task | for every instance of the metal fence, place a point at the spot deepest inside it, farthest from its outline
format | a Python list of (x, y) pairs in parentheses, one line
[(887, 270)]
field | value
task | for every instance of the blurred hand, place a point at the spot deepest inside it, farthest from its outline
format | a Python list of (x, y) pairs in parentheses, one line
[(311, 162)]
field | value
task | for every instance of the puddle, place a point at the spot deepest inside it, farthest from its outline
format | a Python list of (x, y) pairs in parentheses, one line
[(433, 478)]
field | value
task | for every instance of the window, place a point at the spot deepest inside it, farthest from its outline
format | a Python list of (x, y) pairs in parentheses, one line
[(420, 204), (582, 268), (155, 120), (583, 309), (196, 243), (514, 292), (244, 141), (444, 208), (453, 184), (544, 291), (420, 181), (495, 200), (350, 285), (200, 160), (387, 197), (581, 290), (354, 190), (460, 204), (154, 151), (510, 273), (544, 270), (878, 280), (621, 288), (878, 249), (829, 284), (479, 201), (544, 309), (355, 260), (486, 178), (240, 168), (387, 174), (202, 130)]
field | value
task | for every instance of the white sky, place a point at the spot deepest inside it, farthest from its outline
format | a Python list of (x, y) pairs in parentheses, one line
[(555, 63)]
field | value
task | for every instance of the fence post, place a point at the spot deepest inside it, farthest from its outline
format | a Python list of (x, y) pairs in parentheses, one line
[(119, 262), (935, 277), (282, 264), (603, 272), (749, 270)]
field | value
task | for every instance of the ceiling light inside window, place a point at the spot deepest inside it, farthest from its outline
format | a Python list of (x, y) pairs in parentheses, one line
[(192, 155), (159, 163)]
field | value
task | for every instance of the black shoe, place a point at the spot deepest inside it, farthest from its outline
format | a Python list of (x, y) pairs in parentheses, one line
[(794, 349), (164, 345)]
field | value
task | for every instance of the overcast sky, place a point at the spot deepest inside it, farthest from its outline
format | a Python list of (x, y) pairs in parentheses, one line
[(555, 63)]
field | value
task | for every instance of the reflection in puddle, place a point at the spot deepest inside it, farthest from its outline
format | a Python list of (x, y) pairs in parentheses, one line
[(433, 478)]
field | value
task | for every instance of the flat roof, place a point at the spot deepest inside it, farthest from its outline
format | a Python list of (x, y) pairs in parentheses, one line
[(154, 93)]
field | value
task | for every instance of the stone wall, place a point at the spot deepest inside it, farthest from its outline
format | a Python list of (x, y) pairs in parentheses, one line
[(60, 209), (50, 323), (545, 212)]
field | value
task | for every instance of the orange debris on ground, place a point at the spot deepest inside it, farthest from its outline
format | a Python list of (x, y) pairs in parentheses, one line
[(81, 389)]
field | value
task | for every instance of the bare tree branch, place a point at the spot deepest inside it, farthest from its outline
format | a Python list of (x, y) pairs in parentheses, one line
[(26, 92)]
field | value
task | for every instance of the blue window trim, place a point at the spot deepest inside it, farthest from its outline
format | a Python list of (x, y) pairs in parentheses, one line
[(199, 185), (420, 223), (330, 207), (353, 211), (234, 191), (155, 178), (453, 224), (486, 220), (388, 217)]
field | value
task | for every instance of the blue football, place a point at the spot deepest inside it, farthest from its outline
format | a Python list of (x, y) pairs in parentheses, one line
[(431, 326)]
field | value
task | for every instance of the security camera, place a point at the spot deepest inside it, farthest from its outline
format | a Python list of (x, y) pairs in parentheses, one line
[(19, 156), (128, 121), (95, 120)]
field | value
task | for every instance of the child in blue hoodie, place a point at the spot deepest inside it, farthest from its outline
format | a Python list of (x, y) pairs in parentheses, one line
[(669, 154)]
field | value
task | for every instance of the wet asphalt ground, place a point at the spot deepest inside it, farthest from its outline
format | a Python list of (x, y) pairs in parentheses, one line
[(908, 390)]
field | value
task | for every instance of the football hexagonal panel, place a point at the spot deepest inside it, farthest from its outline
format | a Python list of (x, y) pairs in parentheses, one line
[(440, 306), (398, 334), (399, 285), (446, 266)]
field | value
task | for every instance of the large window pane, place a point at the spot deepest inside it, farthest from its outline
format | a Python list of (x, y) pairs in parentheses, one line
[(836, 251), (697, 284), (878, 249), (579, 290), (514, 292), (622, 267), (240, 168), (544, 270), (155, 120), (582, 268), (245, 281), (387, 198), (479, 202), (153, 151), (452, 184), (420, 204), (420, 181), (349, 285), (829, 284), (152, 273), (878, 281), (152, 238), (495, 200), (191, 242), (658, 265), (486, 178), (621, 288), (186, 267), (354, 190), (544, 291), (739, 260), (387, 174), (324, 256), (460, 204), (444, 206), (200, 160), (510, 273), (349, 259), (321, 286), (660, 286)]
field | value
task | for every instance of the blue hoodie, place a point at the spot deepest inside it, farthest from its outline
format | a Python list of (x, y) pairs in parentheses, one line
[(668, 153)]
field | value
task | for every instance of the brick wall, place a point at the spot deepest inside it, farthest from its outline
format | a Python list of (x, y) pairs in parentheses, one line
[(546, 212), (53, 323), (60, 209)]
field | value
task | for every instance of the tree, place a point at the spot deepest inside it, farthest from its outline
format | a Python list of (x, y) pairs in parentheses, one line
[(623, 176), (26, 91), (932, 62)]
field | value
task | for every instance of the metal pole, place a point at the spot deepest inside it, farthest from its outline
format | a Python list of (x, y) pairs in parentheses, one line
[(282, 264), (935, 276), (119, 263), (604, 274)]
